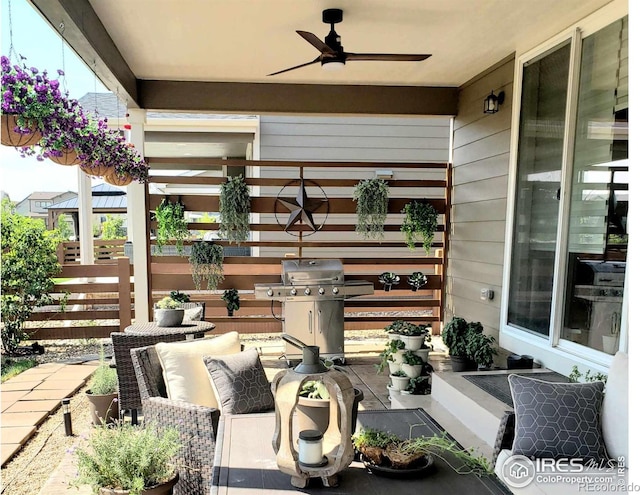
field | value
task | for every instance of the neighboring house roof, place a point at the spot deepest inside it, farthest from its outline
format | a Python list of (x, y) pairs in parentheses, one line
[(103, 197), (44, 195)]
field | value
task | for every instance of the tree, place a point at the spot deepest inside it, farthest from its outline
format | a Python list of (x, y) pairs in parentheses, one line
[(64, 229), (28, 264), (113, 228)]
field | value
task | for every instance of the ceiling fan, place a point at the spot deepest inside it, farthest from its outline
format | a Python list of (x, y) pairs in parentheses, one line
[(333, 56)]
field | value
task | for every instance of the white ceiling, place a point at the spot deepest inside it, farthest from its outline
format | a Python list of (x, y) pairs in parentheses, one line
[(243, 40)]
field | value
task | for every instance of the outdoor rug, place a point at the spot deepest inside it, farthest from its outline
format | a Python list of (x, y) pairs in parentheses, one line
[(498, 385)]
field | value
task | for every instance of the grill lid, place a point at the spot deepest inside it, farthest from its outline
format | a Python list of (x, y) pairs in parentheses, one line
[(312, 272)]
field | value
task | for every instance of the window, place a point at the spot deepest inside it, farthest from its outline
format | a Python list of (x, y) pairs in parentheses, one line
[(568, 235)]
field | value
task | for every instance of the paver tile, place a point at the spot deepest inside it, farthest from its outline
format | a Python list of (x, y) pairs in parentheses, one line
[(31, 418), (51, 366), (17, 434), (6, 404), (23, 377), (13, 396), (33, 405), (11, 386), (54, 383), (8, 450), (59, 394)]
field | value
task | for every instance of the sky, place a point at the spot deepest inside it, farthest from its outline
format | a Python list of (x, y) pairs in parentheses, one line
[(33, 38)]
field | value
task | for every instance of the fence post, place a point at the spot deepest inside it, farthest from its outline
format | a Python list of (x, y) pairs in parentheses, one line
[(124, 291)]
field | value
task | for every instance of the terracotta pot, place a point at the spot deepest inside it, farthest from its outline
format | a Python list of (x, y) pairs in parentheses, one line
[(118, 180), (463, 364), (103, 408), (313, 414), (9, 137), (165, 488), (69, 157)]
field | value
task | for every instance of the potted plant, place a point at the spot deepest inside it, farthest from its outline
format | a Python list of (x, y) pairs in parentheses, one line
[(372, 203), (420, 385), (456, 335), (171, 224), (420, 221), (180, 297), (399, 380), (206, 264), (417, 280), (168, 313), (392, 352), (382, 448), (411, 364), (231, 297), (235, 207), (480, 349), (413, 335), (103, 393), (389, 279), (129, 459), (314, 403)]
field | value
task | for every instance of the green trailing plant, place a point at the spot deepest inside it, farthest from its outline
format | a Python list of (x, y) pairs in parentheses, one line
[(235, 207), (128, 457), (232, 298), (171, 224), (314, 389), (372, 196), (206, 264), (180, 297), (419, 386), (399, 373), (576, 375), (401, 327), (167, 303), (383, 447), (29, 263), (411, 359), (390, 348), (420, 222)]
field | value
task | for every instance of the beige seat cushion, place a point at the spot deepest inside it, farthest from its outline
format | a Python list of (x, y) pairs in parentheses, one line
[(615, 408), (185, 374)]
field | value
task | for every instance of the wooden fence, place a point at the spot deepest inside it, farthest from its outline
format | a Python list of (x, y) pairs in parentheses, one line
[(99, 301), (105, 251)]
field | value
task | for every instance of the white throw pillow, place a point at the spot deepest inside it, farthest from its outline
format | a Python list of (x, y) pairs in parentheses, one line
[(192, 314), (185, 374), (615, 408)]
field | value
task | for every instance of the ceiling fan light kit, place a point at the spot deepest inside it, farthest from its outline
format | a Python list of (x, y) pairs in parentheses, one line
[(332, 55)]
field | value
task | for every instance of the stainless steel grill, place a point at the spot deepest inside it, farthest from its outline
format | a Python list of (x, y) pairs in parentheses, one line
[(312, 293)]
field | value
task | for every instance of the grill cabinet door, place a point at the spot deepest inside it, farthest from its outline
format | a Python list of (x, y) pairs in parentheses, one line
[(329, 330), (299, 323)]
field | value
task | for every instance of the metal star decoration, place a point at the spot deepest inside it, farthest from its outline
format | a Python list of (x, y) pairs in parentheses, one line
[(301, 208)]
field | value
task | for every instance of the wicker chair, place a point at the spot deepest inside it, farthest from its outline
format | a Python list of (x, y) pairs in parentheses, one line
[(128, 392), (197, 424)]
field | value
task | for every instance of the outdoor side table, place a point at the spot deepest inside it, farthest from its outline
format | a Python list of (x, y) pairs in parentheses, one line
[(244, 461), (192, 329)]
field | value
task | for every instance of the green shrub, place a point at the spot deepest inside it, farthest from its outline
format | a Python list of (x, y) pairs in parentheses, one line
[(104, 380)]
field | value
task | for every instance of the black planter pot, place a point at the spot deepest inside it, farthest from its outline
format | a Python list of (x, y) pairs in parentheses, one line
[(459, 363), (229, 312)]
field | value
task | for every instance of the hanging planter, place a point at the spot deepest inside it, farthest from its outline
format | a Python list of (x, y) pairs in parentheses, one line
[(97, 169), (420, 221), (66, 157), (372, 197), (171, 224), (116, 179), (206, 264), (235, 206), (16, 135)]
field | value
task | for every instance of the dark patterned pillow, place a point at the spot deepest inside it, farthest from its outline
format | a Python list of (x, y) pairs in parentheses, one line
[(241, 383), (557, 420)]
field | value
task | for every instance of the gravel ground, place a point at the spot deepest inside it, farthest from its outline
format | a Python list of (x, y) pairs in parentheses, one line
[(29, 470)]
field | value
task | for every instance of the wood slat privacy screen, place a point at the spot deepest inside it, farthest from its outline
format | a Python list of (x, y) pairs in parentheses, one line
[(269, 244)]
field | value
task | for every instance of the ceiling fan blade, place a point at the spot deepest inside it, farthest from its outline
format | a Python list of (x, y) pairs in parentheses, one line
[(316, 42), (387, 57), (296, 67)]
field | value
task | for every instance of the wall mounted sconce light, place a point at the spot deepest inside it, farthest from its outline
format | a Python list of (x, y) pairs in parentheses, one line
[(492, 102)]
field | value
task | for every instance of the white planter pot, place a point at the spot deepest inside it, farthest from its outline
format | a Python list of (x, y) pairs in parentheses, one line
[(398, 356), (413, 342), (394, 336), (399, 382), (423, 354), (393, 393), (394, 367), (412, 370)]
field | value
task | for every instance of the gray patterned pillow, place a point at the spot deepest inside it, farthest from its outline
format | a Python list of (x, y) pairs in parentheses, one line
[(241, 382), (557, 420)]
